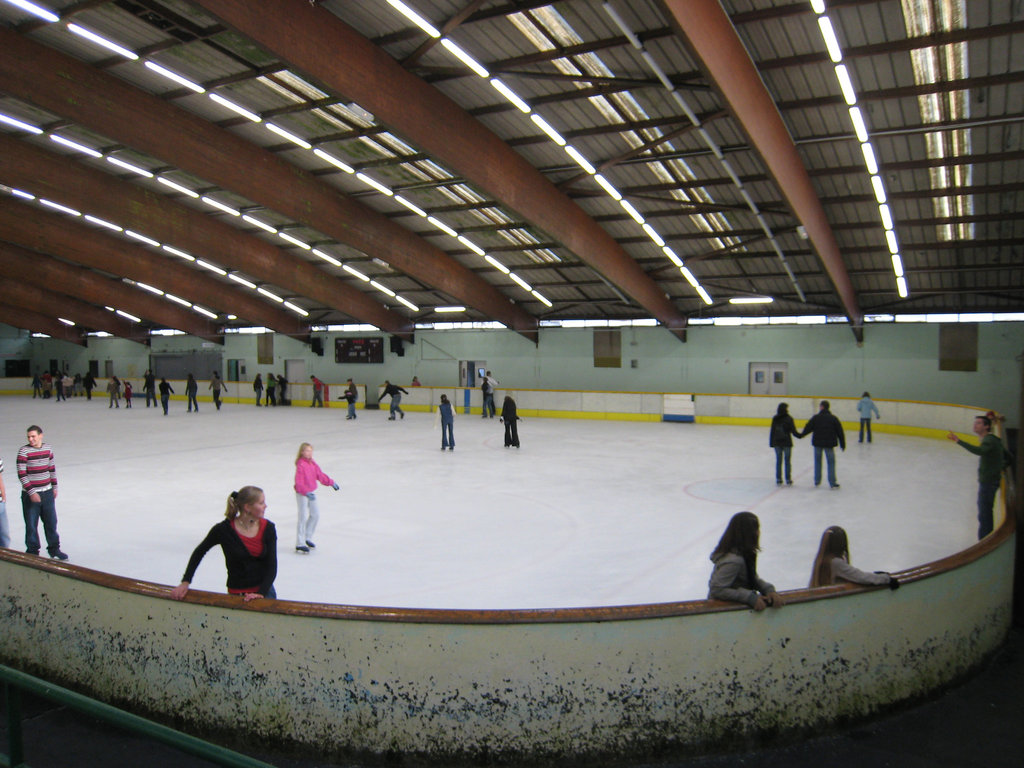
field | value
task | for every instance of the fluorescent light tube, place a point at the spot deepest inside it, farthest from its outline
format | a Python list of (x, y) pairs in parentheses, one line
[(110, 45)]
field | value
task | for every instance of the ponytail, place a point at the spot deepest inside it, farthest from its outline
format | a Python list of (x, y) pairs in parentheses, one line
[(240, 498)]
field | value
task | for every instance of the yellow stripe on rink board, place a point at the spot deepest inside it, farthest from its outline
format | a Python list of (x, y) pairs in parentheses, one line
[(594, 415)]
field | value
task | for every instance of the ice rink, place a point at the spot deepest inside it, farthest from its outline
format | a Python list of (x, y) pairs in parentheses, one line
[(586, 513)]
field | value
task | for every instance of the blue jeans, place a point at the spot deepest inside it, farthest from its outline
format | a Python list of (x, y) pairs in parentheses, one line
[(782, 453), (830, 459), (489, 405), (447, 434), (192, 401), (351, 409), (396, 401), (46, 509), (164, 400), (986, 500), (5, 528), (865, 424), (150, 395)]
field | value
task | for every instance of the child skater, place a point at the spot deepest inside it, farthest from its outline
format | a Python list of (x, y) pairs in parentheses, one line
[(735, 576), (127, 394), (307, 475), (832, 564), (447, 415)]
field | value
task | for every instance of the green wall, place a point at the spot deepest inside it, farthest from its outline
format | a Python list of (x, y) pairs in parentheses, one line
[(897, 361)]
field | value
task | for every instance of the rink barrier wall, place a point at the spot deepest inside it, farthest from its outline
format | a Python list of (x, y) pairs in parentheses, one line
[(516, 684), (443, 684), (918, 419)]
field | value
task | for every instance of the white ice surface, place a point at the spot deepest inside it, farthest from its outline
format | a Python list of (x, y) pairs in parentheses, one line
[(587, 513)]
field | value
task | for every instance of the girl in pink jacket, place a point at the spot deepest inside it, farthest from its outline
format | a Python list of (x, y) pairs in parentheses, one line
[(307, 475)]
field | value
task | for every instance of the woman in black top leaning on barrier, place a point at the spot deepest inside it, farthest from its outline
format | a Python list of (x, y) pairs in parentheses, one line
[(249, 542), (735, 576)]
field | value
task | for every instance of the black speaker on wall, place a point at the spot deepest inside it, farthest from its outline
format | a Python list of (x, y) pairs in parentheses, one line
[(317, 345), (396, 346)]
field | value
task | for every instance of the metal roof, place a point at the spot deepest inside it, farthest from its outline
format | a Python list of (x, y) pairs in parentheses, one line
[(454, 195)]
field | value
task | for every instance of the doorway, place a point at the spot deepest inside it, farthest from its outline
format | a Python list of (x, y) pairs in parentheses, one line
[(769, 378)]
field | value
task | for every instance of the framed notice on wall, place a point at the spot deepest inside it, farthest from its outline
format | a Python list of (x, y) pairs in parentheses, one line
[(359, 350)]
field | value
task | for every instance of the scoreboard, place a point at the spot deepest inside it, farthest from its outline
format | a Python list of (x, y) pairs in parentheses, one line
[(359, 350)]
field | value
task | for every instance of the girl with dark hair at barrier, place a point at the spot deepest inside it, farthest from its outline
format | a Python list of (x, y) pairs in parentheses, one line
[(735, 578), (249, 542), (832, 564)]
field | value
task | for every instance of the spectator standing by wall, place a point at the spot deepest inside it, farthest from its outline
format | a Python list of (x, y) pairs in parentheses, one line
[(271, 389), (257, 387), (89, 382), (37, 473), (282, 391), (992, 461), (37, 386)]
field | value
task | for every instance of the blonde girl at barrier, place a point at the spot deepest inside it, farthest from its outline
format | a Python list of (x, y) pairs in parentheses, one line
[(249, 542)]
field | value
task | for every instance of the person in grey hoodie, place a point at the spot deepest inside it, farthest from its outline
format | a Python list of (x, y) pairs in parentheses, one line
[(864, 408), (734, 578)]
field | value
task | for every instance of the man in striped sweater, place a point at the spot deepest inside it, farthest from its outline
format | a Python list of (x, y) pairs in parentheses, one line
[(38, 476)]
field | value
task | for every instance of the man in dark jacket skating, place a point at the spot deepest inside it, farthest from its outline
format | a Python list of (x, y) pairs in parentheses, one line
[(827, 431)]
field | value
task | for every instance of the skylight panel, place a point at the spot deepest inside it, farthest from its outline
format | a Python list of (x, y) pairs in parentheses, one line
[(937, 64)]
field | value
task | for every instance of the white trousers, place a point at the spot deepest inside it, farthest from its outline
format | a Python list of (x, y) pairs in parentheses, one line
[(309, 516)]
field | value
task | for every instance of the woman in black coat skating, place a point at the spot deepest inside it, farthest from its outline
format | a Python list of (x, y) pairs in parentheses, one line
[(509, 418)]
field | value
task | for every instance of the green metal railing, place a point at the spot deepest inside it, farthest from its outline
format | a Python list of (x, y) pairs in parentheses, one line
[(15, 682)]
